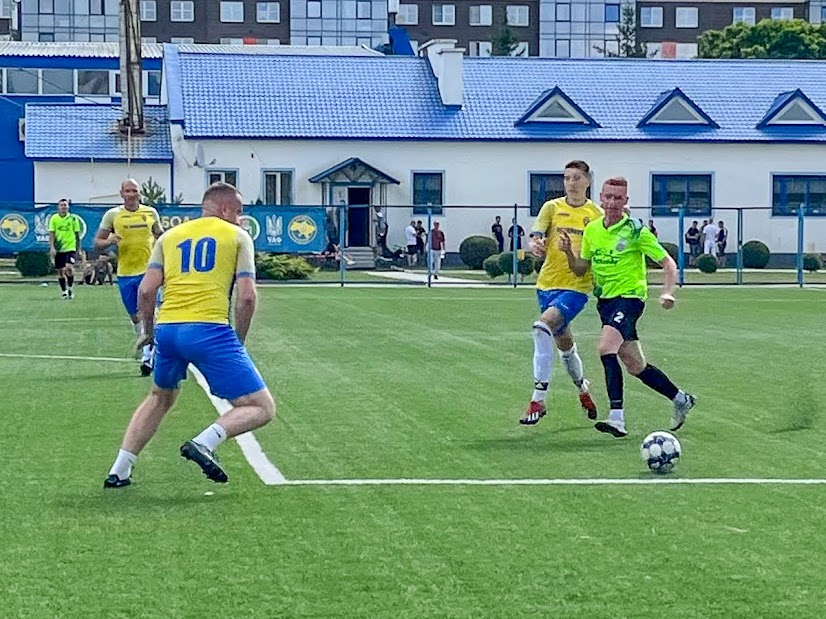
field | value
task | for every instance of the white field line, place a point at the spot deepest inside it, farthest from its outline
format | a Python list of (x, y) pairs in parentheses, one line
[(271, 476), (651, 481), (11, 355), (266, 470)]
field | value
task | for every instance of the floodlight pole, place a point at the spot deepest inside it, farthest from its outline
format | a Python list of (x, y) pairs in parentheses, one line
[(132, 121)]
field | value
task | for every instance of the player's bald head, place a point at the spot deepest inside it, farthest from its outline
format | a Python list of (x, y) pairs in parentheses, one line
[(129, 182), (222, 200)]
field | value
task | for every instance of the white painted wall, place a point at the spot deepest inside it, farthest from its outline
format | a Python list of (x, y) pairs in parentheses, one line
[(491, 173), (92, 183)]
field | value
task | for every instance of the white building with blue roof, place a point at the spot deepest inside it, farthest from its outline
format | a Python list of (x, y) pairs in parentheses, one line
[(463, 133)]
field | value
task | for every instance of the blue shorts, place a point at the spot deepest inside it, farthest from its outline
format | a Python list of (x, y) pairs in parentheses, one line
[(129, 292), (569, 303), (212, 348)]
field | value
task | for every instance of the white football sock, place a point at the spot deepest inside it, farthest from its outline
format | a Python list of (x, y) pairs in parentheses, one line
[(543, 359), (213, 436), (573, 364), (617, 415), (147, 355), (123, 464)]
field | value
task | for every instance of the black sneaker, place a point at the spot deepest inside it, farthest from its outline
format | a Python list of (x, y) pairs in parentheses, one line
[(146, 369), (614, 428), (113, 481), (204, 458)]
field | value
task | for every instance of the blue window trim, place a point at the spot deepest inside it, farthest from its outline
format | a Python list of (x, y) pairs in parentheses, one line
[(780, 208), (658, 206), (419, 209)]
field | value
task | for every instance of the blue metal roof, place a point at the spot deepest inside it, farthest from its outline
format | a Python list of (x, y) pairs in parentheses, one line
[(84, 132), (292, 97)]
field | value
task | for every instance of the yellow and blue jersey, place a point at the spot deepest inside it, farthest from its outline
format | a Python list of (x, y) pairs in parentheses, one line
[(135, 230), (555, 216), (201, 259)]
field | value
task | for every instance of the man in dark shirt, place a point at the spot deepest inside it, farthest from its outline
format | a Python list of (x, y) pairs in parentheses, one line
[(497, 231), (692, 237)]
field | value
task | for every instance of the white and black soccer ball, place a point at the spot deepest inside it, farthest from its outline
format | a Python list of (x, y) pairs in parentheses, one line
[(661, 451)]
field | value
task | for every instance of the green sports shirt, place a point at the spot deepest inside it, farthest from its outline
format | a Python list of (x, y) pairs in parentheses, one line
[(65, 232), (617, 256)]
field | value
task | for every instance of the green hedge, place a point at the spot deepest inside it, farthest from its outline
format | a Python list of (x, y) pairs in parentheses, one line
[(474, 250), (491, 266), (707, 263), (755, 255), (33, 263), (281, 266), (672, 250), (812, 262)]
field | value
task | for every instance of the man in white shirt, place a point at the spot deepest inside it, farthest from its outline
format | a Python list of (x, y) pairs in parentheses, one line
[(710, 235), (410, 240)]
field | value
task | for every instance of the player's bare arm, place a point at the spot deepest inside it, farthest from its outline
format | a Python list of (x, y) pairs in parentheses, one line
[(147, 293), (577, 264), (246, 301), (157, 231), (52, 251), (106, 238), (669, 281)]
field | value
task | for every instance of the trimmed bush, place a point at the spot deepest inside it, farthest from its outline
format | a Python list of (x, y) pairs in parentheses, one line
[(33, 263), (526, 265), (672, 250), (474, 250), (282, 266), (537, 263), (812, 262), (491, 266), (755, 255), (707, 263)]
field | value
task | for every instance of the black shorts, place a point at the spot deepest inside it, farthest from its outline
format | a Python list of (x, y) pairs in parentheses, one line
[(63, 259), (411, 250), (622, 313)]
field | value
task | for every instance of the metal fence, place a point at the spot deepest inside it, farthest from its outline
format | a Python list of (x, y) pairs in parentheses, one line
[(366, 244)]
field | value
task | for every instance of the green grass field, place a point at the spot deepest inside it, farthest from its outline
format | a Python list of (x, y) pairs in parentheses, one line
[(414, 383)]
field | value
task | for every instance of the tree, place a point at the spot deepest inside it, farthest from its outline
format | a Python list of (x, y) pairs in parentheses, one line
[(770, 38), (627, 43), (152, 194), (504, 43)]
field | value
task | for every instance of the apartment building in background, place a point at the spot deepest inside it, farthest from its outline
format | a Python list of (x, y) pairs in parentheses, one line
[(548, 28), (671, 27)]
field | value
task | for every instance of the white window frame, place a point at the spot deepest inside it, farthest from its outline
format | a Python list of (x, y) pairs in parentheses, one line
[(484, 15), (518, 15), (782, 11), (229, 12), (408, 15), (222, 175), (149, 10), (655, 17), (744, 18), (447, 14), (279, 173), (5, 9), (483, 49), (268, 16), (314, 4), (185, 11), (687, 17)]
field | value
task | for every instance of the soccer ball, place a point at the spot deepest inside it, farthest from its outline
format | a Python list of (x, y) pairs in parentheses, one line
[(661, 451)]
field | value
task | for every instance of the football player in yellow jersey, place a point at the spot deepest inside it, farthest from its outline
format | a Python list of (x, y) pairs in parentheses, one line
[(561, 293), (198, 263), (133, 227)]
